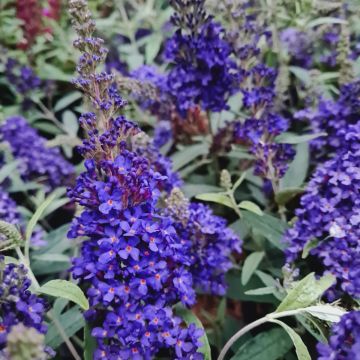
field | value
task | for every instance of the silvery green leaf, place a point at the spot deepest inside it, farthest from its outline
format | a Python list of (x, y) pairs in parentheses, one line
[(326, 312)]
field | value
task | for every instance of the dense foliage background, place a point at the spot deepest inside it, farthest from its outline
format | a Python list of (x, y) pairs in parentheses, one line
[(178, 176)]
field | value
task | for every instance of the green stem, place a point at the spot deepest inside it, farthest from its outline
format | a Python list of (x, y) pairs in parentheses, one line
[(253, 325), (230, 193)]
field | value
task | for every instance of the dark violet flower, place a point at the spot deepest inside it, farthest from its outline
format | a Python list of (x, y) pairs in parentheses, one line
[(333, 117), (344, 342), (23, 79), (207, 238), (162, 133), (299, 46), (8, 210), (36, 161), (130, 261), (202, 71), (271, 158), (329, 213), (17, 303)]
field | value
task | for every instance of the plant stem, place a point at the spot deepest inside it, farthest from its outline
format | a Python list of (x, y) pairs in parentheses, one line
[(253, 325)]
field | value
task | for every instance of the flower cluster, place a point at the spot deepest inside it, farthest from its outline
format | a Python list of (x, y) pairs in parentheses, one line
[(299, 46), (8, 211), (330, 214), (36, 161), (24, 80), (271, 158), (207, 238), (143, 146), (202, 71), (257, 85), (131, 262), (25, 343), (344, 342), (333, 117), (17, 304)]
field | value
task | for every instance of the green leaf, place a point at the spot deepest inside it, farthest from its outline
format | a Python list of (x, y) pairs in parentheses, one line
[(237, 291), (67, 100), (250, 265), (51, 72), (71, 321), (89, 343), (70, 123), (219, 198), (190, 318), (326, 312), (285, 195), (188, 154), (311, 244), (261, 291), (318, 329), (291, 138), (52, 257), (152, 47), (301, 350), (249, 205), (269, 345), (268, 226), (325, 20), (298, 168), (37, 215), (239, 181), (8, 169), (306, 292), (302, 74), (67, 290)]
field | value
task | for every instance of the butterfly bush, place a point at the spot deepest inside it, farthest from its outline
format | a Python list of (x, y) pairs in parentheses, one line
[(202, 71), (330, 214), (41, 163), (131, 262), (344, 341), (17, 303), (257, 84), (8, 210), (207, 238), (333, 117), (24, 81)]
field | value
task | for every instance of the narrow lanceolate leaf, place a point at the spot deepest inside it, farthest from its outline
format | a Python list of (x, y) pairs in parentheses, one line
[(290, 138), (250, 206), (301, 350), (190, 318), (89, 344), (188, 154), (298, 168), (71, 321), (67, 290), (37, 215), (326, 312), (250, 265), (269, 345), (8, 169), (268, 226), (311, 244), (285, 195), (306, 292), (219, 198)]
